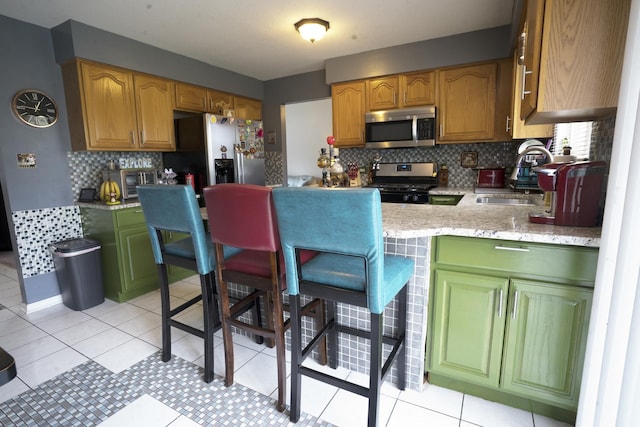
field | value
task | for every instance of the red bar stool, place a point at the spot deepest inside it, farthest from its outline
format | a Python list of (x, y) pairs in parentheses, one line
[(242, 216)]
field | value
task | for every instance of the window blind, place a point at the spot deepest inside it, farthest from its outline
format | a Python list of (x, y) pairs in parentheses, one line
[(575, 135)]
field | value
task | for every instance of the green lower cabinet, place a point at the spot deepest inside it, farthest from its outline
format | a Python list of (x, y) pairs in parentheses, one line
[(505, 327), (546, 340), (468, 327), (137, 265), (128, 266)]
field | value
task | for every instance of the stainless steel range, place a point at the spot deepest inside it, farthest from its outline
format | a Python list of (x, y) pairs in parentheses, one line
[(405, 182)]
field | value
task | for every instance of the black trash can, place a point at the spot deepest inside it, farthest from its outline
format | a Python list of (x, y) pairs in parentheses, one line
[(79, 272)]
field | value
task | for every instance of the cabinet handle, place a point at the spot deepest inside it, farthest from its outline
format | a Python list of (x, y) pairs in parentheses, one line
[(508, 127), (524, 78), (509, 248), (142, 141), (133, 138), (440, 130), (500, 303), (394, 97), (515, 305), (138, 211)]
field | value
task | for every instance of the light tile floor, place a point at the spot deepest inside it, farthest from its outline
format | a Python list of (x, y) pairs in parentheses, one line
[(56, 340)]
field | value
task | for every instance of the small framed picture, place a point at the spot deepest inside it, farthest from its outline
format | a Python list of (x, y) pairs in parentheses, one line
[(271, 137), (469, 159)]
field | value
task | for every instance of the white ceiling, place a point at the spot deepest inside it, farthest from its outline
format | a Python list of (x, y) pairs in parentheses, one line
[(256, 37)]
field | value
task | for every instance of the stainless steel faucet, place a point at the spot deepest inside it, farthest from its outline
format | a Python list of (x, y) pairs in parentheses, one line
[(516, 170)]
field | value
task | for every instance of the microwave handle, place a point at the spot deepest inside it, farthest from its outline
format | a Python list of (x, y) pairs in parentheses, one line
[(414, 128)]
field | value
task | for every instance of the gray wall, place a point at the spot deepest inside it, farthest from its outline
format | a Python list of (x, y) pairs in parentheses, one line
[(73, 38), (28, 62), (277, 92), (492, 43)]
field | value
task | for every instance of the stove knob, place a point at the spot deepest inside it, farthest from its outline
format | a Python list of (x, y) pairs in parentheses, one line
[(405, 197), (415, 198)]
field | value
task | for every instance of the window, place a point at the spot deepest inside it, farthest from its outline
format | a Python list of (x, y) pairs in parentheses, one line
[(575, 135)]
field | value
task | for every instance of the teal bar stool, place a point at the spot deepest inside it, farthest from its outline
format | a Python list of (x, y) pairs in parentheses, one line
[(344, 226), (174, 208)]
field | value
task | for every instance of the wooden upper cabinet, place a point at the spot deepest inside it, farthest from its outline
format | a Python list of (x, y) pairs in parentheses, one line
[(247, 109), (401, 91), (467, 103), (113, 109), (219, 102), (109, 108), (572, 59), (383, 93), (191, 98), (516, 127), (418, 89), (154, 107), (348, 103)]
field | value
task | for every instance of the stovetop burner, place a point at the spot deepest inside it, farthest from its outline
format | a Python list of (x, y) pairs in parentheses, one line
[(405, 182)]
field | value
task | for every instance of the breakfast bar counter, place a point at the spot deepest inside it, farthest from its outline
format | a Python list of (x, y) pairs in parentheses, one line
[(409, 230)]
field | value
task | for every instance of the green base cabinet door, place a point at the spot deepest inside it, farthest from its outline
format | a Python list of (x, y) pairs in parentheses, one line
[(138, 267), (468, 326), (546, 340)]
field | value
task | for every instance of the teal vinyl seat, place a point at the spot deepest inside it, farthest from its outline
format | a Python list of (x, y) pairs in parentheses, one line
[(344, 226), (174, 208)]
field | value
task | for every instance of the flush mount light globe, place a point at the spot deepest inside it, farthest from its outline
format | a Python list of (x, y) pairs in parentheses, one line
[(312, 29)]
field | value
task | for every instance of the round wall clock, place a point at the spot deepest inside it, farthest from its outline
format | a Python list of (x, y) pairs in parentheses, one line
[(35, 108)]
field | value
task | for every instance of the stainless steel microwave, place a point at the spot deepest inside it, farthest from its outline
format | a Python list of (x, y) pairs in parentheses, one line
[(129, 179), (415, 127)]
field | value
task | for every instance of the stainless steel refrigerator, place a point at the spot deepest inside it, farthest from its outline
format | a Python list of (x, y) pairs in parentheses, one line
[(207, 140)]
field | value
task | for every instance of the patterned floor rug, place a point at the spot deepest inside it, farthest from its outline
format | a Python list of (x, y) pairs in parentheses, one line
[(90, 393)]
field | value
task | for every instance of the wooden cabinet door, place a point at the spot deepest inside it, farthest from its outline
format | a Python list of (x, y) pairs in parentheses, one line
[(348, 102), (191, 98), (154, 108), (503, 124), (247, 109), (109, 108), (137, 265), (530, 47), (383, 93), (219, 102), (418, 89), (516, 126), (546, 340), (467, 99), (468, 326)]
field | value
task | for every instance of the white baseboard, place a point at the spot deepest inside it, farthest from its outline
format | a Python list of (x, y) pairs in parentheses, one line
[(41, 305)]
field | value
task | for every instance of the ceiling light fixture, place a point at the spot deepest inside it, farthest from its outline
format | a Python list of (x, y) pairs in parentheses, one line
[(312, 29)]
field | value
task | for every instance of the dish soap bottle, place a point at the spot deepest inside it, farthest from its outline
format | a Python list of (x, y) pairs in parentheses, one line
[(443, 176)]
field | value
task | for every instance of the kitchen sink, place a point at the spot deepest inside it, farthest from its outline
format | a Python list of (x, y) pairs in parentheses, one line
[(504, 201)]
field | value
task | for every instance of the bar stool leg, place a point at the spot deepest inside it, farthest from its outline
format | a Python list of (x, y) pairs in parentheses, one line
[(166, 312), (207, 308), (278, 327), (332, 335), (226, 332), (296, 357), (375, 368)]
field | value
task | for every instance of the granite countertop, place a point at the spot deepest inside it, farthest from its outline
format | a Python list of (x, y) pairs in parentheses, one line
[(467, 218), (471, 219)]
